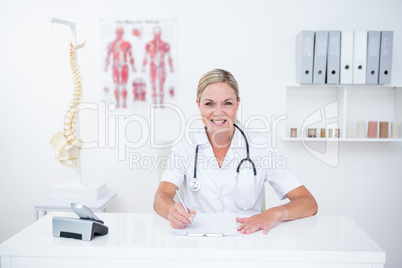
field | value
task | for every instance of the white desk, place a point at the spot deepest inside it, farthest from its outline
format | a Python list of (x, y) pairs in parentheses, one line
[(144, 240), (96, 205)]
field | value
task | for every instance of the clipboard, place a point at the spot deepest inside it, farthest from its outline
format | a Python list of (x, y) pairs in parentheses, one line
[(210, 225)]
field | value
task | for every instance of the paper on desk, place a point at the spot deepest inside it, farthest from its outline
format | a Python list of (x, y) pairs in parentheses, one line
[(210, 224)]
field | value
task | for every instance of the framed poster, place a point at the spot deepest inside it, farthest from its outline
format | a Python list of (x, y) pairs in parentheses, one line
[(138, 62)]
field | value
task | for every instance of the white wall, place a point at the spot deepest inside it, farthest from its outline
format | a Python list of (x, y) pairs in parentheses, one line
[(255, 40)]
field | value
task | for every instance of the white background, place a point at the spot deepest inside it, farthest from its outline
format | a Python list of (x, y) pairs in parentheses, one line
[(255, 40)]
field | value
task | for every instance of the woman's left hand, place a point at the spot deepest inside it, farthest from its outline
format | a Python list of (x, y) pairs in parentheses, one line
[(264, 221), (302, 204)]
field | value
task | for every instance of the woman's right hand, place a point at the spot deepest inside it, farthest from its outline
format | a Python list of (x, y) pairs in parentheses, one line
[(179, 218)]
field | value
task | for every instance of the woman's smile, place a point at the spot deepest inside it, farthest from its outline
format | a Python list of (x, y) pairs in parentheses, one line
[(218, 122)]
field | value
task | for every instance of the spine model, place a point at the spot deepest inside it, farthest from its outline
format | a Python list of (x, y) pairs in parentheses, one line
[(67, 144)]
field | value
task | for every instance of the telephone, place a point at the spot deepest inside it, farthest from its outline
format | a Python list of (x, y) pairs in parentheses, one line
[(84, 228)]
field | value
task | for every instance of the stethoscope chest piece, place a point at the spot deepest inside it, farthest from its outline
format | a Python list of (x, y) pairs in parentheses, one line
[(195, 185)]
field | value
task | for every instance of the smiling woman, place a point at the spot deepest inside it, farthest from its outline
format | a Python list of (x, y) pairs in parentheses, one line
[(218, 101), (227, 183), (218, 107)]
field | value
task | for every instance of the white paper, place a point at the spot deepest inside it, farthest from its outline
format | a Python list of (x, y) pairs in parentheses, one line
[(210, 224)]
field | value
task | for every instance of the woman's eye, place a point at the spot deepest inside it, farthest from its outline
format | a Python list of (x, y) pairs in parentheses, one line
[(208, 104), (228, 103)]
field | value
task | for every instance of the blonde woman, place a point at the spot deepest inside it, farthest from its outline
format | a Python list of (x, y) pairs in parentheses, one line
[(222, 170)]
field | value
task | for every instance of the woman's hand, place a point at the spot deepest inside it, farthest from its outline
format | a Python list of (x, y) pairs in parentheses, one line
[(165, 206), (264, 221), (178, 217), (302, 204)]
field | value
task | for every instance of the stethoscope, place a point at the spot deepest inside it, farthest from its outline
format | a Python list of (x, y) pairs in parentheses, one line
[(195, 184)]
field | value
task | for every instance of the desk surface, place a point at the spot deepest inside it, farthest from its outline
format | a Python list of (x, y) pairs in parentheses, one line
[(314, 241)]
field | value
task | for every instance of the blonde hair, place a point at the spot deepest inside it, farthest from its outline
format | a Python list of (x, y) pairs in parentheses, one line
[(217, 76)]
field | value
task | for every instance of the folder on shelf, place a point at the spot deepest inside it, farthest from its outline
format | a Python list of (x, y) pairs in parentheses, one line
[(359, 57), (320, 57), (373, 56), (334, 51), (347, 57), (304, 57), (387, 38)]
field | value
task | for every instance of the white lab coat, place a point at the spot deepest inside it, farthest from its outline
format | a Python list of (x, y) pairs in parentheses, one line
[(218, 189)]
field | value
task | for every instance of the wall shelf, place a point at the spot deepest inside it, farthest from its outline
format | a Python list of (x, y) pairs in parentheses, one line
[(341, 106), (372, 140)]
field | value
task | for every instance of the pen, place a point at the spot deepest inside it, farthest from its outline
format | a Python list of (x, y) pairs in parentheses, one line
[(182, 203)]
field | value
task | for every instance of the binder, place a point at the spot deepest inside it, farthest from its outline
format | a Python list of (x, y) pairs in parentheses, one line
[(320, 57), (359, 57), (334, 51), (347, 57), (387, 39), (304, 57), (373, 56)]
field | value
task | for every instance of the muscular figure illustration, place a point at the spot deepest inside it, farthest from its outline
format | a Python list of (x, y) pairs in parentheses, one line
[(156, 50), (121, 50), (139, 89)]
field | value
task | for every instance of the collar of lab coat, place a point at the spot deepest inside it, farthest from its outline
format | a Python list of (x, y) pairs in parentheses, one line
[(238, 141)]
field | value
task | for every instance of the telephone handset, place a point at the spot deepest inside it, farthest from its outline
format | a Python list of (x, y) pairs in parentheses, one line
[(84, 212)]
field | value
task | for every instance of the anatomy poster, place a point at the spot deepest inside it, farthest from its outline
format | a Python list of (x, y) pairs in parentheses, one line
[(139, 59)]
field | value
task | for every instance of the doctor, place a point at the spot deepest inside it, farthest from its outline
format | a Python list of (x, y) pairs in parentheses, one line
[(222, 169)]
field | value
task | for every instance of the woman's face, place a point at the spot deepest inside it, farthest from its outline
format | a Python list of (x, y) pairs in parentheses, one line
[(218, 106)]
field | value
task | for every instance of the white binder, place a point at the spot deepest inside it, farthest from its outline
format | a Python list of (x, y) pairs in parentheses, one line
[(304, 57), (347, 57), (387, 39), (359, 57), (334, 51), (373, 56), (320, 57)]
